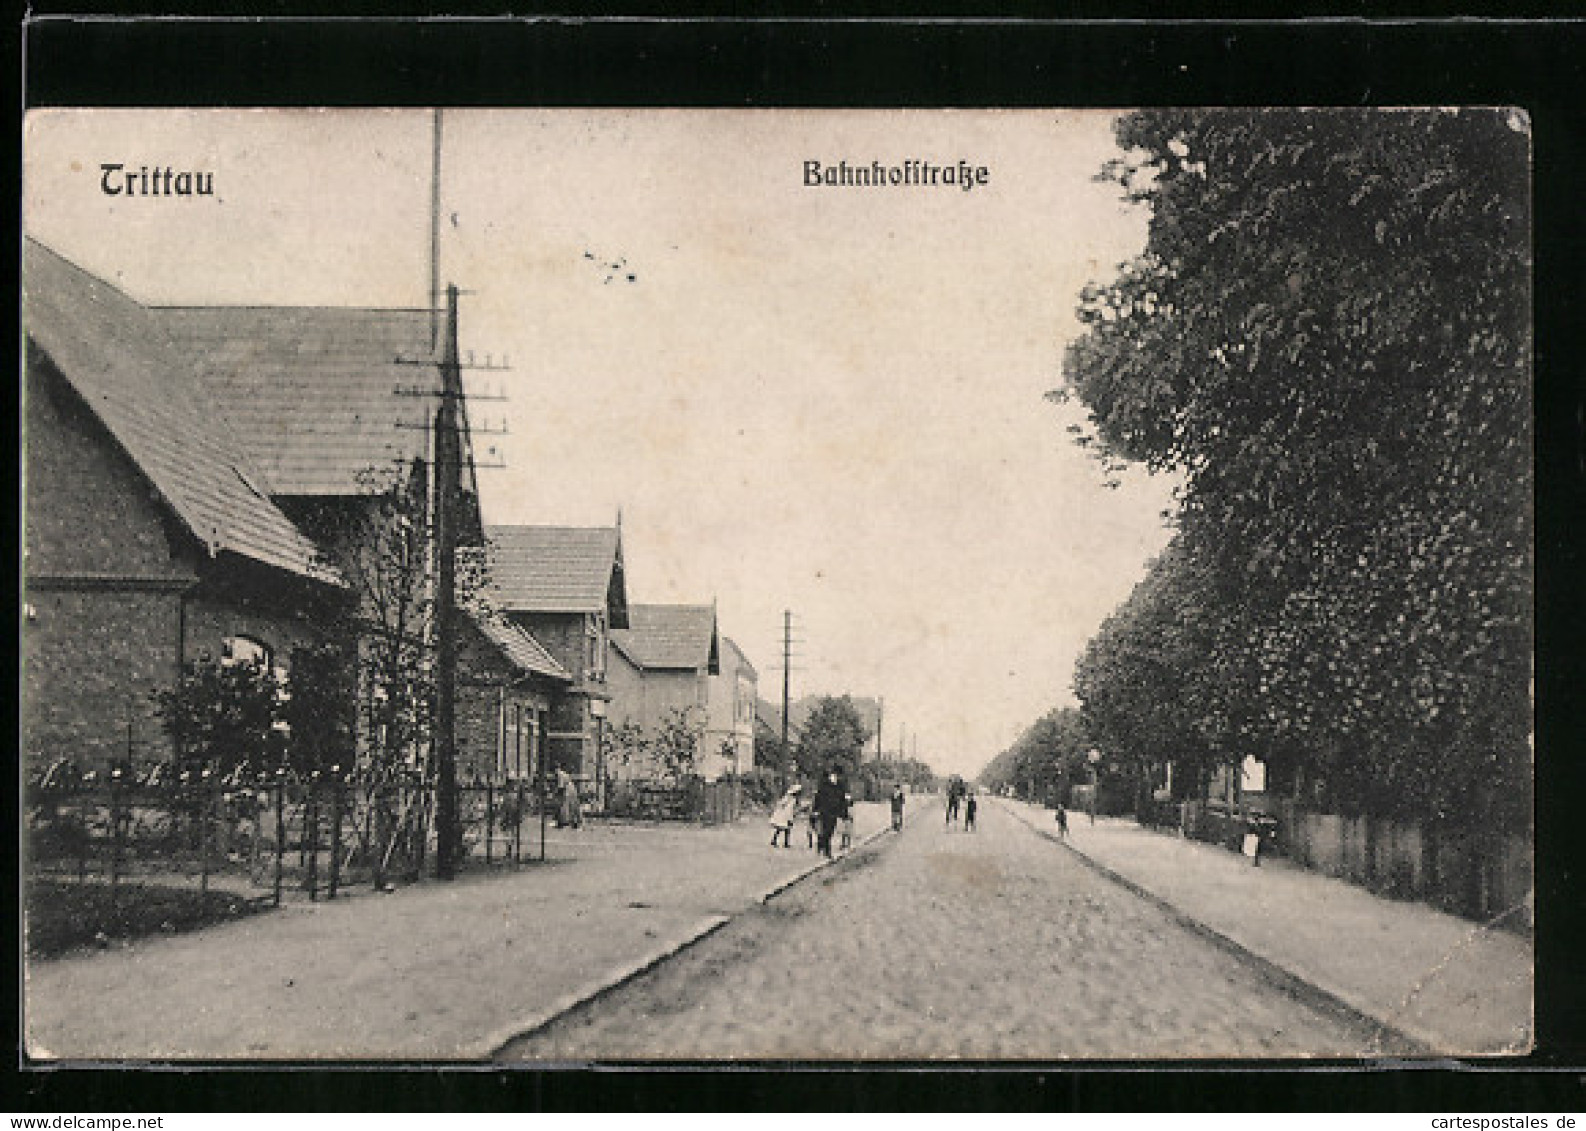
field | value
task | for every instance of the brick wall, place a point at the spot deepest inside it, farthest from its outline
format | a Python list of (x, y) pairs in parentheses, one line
[(89, 509), (490, 688), (117, 594), (573, 741), (92, 661)]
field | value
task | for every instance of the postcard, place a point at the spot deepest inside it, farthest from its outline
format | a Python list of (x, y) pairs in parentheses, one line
[(543, 586)]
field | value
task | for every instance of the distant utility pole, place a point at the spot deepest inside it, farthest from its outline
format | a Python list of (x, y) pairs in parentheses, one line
[(881, 714), (787, 668), (435, 233)]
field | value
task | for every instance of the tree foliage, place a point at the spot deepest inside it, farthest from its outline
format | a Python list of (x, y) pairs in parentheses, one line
[(669, 752), (874, 780), (221, 716), (1043, 761), (319, 709), (675, 747), (380, 542), (833, 734), (1328, 337)]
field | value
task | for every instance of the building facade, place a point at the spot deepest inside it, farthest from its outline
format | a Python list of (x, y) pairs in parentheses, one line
[(661, 676), (204, 482), (734, 690), (150, 540), (565, 587)]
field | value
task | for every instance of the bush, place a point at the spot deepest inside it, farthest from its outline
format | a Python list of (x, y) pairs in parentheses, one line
[(760, 788), (64, 915)]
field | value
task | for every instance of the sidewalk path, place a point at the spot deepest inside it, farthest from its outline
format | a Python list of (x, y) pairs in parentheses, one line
[(1455, 986), (432, 971)]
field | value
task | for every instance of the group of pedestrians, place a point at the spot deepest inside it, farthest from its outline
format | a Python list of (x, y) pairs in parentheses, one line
[(961, 799), (828, 815)]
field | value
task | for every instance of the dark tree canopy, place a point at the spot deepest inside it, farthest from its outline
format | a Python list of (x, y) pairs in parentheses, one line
[(834, 734), (1328, 337)]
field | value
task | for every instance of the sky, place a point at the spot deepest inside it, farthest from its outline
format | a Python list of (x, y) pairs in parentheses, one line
[(822, 399)]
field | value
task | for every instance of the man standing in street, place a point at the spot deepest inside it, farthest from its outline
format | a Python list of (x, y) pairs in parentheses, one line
[(897, 808), (830, 802)]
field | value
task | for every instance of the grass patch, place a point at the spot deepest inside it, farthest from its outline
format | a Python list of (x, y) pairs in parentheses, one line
[(64, 915)]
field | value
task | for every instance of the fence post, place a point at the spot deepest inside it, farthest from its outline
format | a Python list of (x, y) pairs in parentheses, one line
[(311, 835), (517, 825), (490, 819), (280, 831), (421, 848), (82, 840), (204, 799), (117, 828), (376, 824), (335, 831)]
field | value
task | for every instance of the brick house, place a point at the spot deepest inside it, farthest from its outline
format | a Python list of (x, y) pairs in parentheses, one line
[(662, 666), (336, 405), (151, 534), (507, 683), (565, 586), (197, 479)]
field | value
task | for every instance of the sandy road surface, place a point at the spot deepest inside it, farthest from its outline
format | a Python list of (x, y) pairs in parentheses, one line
[(945, 944)]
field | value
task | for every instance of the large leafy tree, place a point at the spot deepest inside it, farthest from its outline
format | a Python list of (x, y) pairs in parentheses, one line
[(833, 734), (1327, 336)]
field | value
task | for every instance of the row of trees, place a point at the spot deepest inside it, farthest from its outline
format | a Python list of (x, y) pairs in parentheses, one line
[(1045, 761), (1328, 338)]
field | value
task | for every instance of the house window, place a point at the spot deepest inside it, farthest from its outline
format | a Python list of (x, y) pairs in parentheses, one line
[(245, 649), (594, 640)]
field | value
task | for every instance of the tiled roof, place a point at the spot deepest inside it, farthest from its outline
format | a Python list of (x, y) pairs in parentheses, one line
[(144, 389), (322, 396), (520, 647), (670, 636), (557, 569), (739, 660)]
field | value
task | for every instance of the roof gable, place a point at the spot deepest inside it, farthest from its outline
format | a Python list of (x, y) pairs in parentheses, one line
[(520, 647), (671, 637), (321, 395), (119, 360), (558, 569), (734, 655)]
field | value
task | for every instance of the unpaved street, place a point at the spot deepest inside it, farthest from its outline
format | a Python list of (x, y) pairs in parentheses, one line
[(946, 944)]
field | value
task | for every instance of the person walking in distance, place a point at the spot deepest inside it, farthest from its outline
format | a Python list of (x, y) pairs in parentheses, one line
[(897, 808), (969, 811), (571, 814), (1062, 821), (782, 816), (829, 806)]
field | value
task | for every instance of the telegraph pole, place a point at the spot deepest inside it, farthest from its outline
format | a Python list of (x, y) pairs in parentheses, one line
[(435, 233), (787, 668), (881, 715), (448, 477)]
